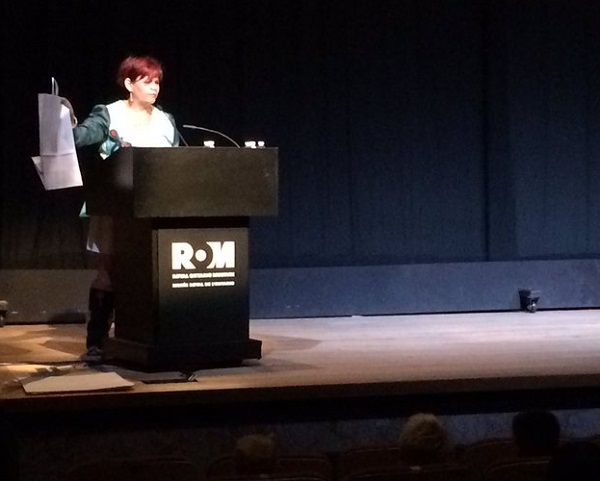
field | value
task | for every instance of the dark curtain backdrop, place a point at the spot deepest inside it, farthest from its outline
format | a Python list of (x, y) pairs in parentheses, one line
[(409, 130)]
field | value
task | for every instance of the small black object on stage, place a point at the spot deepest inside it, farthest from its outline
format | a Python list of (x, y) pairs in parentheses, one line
[(529, 299)]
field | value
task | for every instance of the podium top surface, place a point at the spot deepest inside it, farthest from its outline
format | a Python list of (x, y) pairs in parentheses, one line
[(184, 182)]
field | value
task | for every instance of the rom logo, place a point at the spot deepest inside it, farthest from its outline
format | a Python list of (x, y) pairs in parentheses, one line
[(216, 255)]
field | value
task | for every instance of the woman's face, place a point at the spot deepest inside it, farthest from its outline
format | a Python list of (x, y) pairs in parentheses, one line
[(143, 90)]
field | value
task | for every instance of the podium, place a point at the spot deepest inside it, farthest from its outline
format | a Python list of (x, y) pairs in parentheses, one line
[(181, 219)]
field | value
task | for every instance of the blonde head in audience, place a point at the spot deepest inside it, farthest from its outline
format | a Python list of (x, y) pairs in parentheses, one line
[(424, 440), (255, 454)]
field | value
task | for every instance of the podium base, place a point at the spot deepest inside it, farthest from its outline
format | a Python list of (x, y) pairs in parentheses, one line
[(181, 357)]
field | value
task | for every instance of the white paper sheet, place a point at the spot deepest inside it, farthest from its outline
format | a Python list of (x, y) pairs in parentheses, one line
[(95, 381), (57, 165)]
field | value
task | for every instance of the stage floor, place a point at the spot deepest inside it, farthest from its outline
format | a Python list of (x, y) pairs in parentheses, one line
[(342, 358)]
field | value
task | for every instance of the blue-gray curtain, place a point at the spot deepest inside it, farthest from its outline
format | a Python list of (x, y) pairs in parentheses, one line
[(409, 130)]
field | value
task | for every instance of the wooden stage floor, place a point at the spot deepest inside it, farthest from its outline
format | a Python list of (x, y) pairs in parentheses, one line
[(351, 358), (323, 384)]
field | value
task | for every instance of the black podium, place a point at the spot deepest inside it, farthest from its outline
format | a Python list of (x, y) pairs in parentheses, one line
[(181, 219)]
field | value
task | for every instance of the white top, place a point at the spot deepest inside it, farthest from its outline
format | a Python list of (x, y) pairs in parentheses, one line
[(159, 132)]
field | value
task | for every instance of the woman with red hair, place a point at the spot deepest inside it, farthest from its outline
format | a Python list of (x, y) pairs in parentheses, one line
[(133, 121)]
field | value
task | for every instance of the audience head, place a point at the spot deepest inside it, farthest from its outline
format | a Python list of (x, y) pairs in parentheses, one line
[(255, 454), (536, 433), (575, 461), (424, 440)]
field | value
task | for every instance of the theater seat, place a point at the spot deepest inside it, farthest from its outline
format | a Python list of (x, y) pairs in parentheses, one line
[(368, 459), (312, 465), (521, 469), (433, 472), (150, 468), (481, 455)]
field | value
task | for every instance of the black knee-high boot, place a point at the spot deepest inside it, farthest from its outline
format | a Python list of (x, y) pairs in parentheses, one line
[(101, 305)]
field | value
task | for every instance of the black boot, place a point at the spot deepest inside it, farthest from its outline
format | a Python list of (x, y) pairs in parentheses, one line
[(101, 305)]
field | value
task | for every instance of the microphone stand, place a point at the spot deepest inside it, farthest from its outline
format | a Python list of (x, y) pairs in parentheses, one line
[(195, 127)]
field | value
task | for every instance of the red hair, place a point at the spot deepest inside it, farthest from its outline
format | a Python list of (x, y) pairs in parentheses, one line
[(135, 68)]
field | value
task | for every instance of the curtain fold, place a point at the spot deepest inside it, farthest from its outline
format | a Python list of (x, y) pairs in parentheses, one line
[(409, 131)]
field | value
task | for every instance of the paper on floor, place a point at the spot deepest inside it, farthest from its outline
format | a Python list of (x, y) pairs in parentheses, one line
[(94, 381)]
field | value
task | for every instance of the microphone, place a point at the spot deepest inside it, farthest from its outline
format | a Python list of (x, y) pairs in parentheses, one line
[(196, 127), (181, 137)]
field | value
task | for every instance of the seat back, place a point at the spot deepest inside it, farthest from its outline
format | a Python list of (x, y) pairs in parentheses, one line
[(480, 456), (434, 472), (519, 469), (151, 468), (313, 464), (368, 460), (268, 477)]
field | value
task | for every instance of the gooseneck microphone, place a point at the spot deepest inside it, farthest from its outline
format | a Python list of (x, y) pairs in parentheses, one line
[(196, 127), (181, 137)]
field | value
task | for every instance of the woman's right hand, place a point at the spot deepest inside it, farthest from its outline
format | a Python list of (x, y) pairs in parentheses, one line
[(67, 104)]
